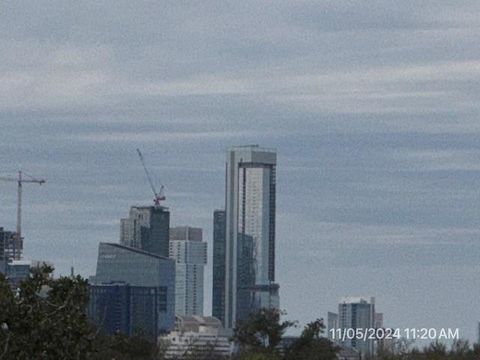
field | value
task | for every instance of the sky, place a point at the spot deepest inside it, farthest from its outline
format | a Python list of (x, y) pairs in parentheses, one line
[(372, 106)]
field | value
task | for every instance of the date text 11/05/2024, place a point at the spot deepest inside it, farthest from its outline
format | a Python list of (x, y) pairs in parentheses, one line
[(394, 333)]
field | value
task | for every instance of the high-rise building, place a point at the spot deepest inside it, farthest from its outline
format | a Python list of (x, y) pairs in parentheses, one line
[(357, 313), (11, 247), (190, 255), (150, 292), (147, 228), (250, 232), (218, 289)]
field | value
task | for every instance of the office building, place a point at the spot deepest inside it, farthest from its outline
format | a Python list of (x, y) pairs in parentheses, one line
[(148, 281), (218, 289), (147, 228), (11, 247), (199, 335), (190, 255), (131, 310), (355, 313), (250, 232)]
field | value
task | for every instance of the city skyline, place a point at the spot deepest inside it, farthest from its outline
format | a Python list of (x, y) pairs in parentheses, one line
[(372, 108)]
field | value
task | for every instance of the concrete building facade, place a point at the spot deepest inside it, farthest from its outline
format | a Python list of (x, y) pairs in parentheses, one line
[(190, 255), (147, 228)]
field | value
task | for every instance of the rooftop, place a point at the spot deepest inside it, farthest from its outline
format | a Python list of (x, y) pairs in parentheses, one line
[(135, 250), (252, 147), (357, 300)]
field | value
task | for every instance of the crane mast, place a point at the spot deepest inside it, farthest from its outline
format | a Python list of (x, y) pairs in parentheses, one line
[(20, 180)]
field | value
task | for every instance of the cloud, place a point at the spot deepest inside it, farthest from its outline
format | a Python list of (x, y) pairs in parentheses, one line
[(372, 107)]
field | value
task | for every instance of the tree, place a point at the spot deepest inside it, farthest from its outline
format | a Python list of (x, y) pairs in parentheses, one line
[(46, 319), (436, 351), (311, 345), (261, 332), (123, 347)]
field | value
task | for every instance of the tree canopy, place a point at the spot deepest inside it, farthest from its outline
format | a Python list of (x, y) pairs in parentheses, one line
[(46, 319)]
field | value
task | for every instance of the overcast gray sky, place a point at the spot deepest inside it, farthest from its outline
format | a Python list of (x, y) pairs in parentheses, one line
[(373, 107)]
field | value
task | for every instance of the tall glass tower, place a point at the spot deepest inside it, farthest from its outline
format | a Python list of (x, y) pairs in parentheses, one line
[(250, 232)]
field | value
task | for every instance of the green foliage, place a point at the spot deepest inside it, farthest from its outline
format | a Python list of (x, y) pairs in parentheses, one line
[(311, 345), (122, 347), (262, 332), (253, 356), (46, 319), (400, 350)]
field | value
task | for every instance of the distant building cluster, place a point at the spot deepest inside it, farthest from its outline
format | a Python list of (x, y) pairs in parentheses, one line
[(151, 283)]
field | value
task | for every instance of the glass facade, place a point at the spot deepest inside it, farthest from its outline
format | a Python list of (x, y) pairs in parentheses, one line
[(250, 232), (131, 310), (120, 264)]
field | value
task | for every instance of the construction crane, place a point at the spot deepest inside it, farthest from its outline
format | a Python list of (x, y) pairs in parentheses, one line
[(158, 195), (20, 180)]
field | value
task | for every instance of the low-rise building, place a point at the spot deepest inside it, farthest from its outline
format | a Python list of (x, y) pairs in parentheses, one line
[(197, 334)]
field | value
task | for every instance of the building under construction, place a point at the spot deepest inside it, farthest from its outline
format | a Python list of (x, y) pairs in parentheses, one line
[(11, 247)]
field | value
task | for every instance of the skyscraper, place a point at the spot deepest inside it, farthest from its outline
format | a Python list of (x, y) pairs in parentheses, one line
[(250, 232), (147, 228), (190, 255), (218, 289), (146, 283)]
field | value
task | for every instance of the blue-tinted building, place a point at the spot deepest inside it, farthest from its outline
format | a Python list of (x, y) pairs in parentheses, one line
[(133, 291), (131, 310)]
